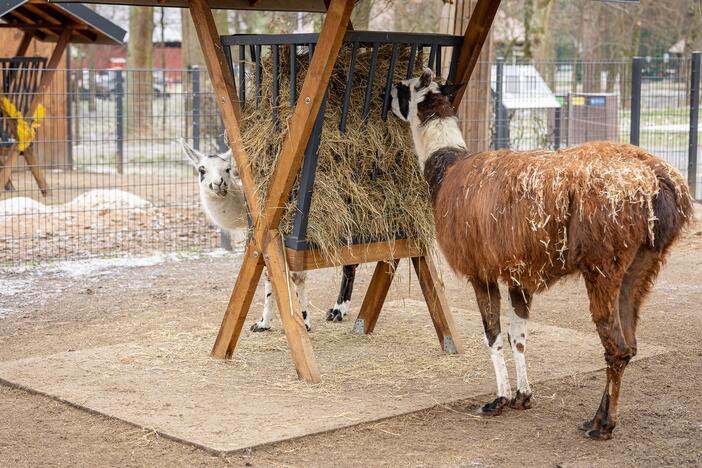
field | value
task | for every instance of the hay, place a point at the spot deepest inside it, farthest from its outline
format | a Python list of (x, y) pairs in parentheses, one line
[(368, 183)]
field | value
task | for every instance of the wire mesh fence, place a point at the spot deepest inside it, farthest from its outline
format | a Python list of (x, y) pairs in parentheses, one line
[(108, 148), (107, 144)]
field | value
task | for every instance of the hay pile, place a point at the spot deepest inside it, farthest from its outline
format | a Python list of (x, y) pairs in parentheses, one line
[(368, 183)]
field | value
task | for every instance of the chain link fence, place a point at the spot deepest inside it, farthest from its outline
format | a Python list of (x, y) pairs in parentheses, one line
[(118, 183)]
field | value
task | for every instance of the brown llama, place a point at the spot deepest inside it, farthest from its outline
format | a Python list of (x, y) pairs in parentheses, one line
[(607, 211)]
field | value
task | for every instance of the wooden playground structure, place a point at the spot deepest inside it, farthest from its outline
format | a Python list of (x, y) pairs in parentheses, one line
[(266, 246), (28, 79)]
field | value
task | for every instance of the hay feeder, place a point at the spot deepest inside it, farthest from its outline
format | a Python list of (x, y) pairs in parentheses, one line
[(267, 246)]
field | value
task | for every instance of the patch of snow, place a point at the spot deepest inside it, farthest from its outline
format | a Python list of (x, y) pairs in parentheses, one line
[(22, 206), (10, 287), (97, 267), (103, 199)]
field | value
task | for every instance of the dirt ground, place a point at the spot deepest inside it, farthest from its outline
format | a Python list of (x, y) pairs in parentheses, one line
[(660, 415)]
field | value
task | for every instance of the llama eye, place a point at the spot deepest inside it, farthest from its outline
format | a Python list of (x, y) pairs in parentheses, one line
[(201, 170), (228, 170)]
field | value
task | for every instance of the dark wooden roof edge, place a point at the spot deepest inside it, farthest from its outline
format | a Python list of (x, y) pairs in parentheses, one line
[(261, 5), (90, 26)]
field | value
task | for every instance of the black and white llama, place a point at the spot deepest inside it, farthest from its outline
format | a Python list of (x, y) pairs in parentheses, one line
[(223, 202)]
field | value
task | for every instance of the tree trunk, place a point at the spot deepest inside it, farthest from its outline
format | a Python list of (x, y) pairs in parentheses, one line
[(139, 63), (590, 47), (361, 15)]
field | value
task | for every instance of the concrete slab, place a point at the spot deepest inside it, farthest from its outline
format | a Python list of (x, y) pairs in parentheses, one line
[(169, 383)]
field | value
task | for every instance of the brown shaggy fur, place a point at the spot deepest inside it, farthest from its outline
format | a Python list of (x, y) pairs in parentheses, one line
[(532, 217)]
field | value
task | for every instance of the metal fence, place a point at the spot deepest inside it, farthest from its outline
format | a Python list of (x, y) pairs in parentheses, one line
[(118, 182)]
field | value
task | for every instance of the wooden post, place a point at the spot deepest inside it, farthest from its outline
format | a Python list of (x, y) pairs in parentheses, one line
[(375, 297), (44, 84), (24, 44), (289, 309), (433, 290), (225, 94), (476, 32), (266, 239)]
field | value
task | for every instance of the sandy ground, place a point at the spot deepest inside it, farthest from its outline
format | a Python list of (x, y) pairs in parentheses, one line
[(97, 304)]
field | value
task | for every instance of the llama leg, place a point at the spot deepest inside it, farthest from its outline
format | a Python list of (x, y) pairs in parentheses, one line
[(268, 308), (341, 308), (638, 281), (518, 318), (488, 297), (604, 306), (300, 280)]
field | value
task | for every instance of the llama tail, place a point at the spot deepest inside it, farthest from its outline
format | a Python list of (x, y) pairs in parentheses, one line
[(672, 207)]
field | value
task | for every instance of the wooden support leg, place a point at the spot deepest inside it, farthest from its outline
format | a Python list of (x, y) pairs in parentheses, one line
[(289, 309), (37, 173), (239, 304), (375, 297), (433, 290)]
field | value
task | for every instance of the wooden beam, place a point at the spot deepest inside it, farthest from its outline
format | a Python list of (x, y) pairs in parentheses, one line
[(225, 95), (287, 167), (476, 32), (289, 309), (24, 44), (375, 297), (303, 260), (45, 82), (433, 290), (239, 303)]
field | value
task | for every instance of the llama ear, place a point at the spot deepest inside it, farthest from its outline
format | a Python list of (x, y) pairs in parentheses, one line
[(229, 156), (450, 89), (194, 155), (425, 78)]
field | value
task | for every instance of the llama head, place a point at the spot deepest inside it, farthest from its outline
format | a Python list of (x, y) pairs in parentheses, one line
[(421, 99), (215, 171)]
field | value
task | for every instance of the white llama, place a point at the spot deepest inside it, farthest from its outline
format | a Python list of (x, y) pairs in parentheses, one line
[(223, 202)]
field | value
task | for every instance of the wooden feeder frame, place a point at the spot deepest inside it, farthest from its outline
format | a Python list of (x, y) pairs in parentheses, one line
[(266, 246)]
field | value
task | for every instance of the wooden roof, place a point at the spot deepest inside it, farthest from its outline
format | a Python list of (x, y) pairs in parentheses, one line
[(46, 21), (272, 5)]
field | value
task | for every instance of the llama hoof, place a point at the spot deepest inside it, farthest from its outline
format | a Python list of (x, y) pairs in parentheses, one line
[(521, 401), (257, 327), (334, 315), (588, 425), (602, 433), (494, 408)]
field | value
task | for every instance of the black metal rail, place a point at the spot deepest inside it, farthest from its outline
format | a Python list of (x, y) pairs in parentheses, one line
[(254, 45)]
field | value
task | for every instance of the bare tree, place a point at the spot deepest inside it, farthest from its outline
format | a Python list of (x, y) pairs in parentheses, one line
[(139, 62)]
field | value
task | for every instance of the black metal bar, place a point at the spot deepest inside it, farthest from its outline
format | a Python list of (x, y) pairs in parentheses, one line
[(293, 74), (557, 128), (371, 80), (454, 64), (412, 59), (119, 113), (635, 126), (259, 77), (276, 85), (432, 56), (196, 106), (694, 123), (388, 82), (310, 50), (438, 60), (364, 37), (307, 177), (501, 138), (349, 88), (69, 109), (242, 75)]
